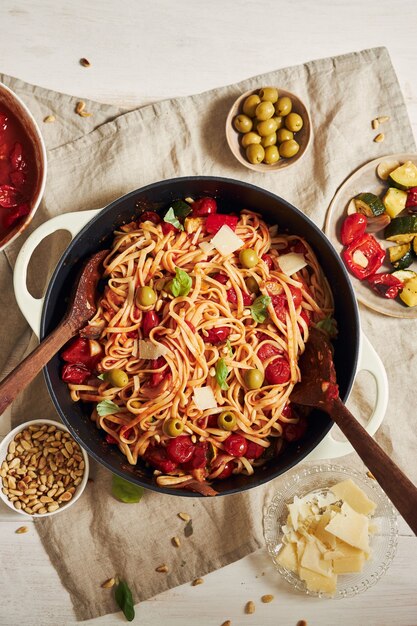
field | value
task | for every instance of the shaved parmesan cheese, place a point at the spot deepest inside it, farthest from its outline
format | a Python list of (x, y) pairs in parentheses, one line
[(354, 496), (226, 241), (291, 263), (206, 246), (151, 351), (350, 527), (204, 398)]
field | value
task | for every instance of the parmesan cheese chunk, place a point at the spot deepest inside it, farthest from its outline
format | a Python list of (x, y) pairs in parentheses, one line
[(288, 557), (226, 241), (206, 246), (349, 492), (351, 527), (312, 560), (204, 398), (318, 582), (291, 263), (150, 350)]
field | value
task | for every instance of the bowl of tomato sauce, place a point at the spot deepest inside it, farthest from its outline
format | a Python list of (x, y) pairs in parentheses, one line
[(22, 166)]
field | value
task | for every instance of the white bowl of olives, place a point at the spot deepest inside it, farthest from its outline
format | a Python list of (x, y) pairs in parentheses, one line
[(268, 129)]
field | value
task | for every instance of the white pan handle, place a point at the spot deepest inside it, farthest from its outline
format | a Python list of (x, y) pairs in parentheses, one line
[(368, 361), (32, 307)]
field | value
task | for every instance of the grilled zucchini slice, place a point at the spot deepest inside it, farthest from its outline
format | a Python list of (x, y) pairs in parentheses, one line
[(404, 176), (408, 293), (394, 201), (401, 229), (369, 204), (401, 256)]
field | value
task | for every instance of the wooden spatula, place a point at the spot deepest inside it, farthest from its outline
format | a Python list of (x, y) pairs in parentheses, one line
[(82, 308), (318, 388)]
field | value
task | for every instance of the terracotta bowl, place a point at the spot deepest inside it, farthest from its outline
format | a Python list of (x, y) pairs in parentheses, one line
[(303, 136), (10, 100)]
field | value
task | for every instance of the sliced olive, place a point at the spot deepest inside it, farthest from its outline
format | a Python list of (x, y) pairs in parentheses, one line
[(243, 123), (248, 258), (250, 104), (265, 110), (255, 153), (271, 155), (116, 377), (249, 138), (283, 106), (254, 379), (269, 140), (269, 94), (252, 284), (146, 296), (227, 420), (173, 427)]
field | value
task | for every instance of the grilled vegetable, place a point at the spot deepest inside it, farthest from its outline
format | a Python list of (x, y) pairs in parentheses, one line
[(369, 204), (364, 256), (386, 285), (409, 292), (401, 229), (394, 201), (401, 256), (404, 275), (385, 168), (404, 176)]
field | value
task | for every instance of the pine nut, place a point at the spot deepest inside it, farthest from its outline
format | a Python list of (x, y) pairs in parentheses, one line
[(267, 598), (379, 138), (197, 581), (184, 516), (108, 583), (162, 569), (176, 542), (53, 507), (250, 607), (21, 530)]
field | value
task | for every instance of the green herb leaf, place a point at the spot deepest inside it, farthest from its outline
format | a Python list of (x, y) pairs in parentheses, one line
[(328, 325), (101, 376), (221, 374), (181, 284), (171, 218), (125, 491), (229, 347), (124, 599), (181, 209), (259, 307), (107, 407)]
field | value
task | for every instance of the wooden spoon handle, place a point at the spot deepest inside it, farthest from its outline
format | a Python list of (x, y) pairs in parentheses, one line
[(26, 371), (399, 489)]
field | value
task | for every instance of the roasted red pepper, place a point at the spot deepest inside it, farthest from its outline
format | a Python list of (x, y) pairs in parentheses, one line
[(364, 256), (386, 285), (76, 374), (215, 221), (353, 227), (411, 198), (78, 351)]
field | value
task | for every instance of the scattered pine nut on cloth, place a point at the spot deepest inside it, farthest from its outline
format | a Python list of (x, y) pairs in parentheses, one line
[(94, 159)]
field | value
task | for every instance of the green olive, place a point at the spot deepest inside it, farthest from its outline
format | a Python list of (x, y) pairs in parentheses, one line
[(250, 104), (243, 123), (252, 284), (279, 120), (249, 138), (283, 134), (269, 94), (264, 111), (145, 296), (173, 427), (294, 122), (248, 258), (255, 153), (266, 127), (283, 106), (254, 379), (227, 420), (116, 377), (269, 140), (289, 148), (271, 155)]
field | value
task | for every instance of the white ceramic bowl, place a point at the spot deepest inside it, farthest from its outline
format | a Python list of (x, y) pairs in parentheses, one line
[(25, 117), (3, 453)]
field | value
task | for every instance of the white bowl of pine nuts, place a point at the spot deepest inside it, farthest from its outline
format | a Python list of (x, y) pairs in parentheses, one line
[(43, 470)]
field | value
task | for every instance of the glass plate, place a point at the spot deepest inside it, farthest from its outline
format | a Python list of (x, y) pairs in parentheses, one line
[(366, 179), (318, 479)]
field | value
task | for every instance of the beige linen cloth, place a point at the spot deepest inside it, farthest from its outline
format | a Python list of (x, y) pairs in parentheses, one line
[(94, 160)]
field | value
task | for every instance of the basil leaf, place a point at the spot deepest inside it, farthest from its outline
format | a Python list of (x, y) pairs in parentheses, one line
[(125, 491), (229, 347), (171, 218), (101, 376), (124, 599), (181, 209), (259, 310), (107, 407), (328, 325), (181, 284), (221, 374)]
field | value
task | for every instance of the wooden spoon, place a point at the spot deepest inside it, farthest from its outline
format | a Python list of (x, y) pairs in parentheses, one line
[(80, 310), (318, 389)]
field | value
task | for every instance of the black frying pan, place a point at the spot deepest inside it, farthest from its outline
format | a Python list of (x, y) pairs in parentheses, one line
[(231, 195)]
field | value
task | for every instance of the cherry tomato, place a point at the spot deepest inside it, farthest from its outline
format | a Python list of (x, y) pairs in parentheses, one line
[(278, 372), (76, 374), (217, 335), (236, 445), (168, 228), (204, 206), (157, 456), (150, 320), (78, 351), (298, 247), (280, 307), (353, 227), (287, 411), (227, 470), (157, 377), (180, 449), (190, 326), (254, 450), (221, 278), (132, 334), (305, 314), (149, 216), (208, 422), (267, 258), (297, 296), (215, 221), (198, 459), (109, 439), (293, 432), (268, 350), (232, 297), (411, 198)]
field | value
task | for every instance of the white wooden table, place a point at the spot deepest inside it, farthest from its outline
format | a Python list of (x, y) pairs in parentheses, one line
[(144, 51)]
